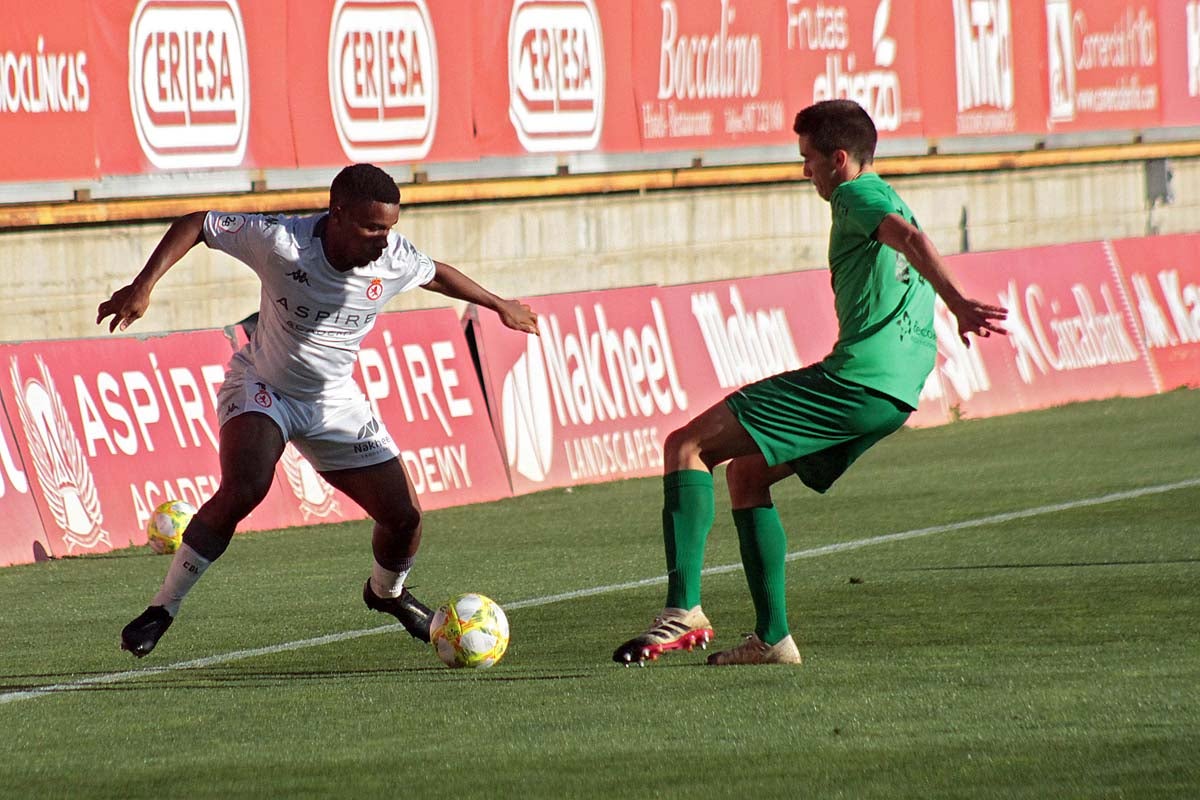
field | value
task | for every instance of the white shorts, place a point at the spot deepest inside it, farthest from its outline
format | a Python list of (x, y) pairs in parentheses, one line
[(332, 433)]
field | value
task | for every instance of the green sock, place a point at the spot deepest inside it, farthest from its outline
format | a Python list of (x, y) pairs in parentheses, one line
[(764, 556), (687, 518)]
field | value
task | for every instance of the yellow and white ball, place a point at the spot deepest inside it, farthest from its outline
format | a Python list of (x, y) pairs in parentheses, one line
[(164, 531), (470, 630)]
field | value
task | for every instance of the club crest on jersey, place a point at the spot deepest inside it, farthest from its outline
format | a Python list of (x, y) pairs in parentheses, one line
[(262, 396), (375, 290)]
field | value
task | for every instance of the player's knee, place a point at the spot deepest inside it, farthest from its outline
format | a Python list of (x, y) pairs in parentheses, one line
[(402, 520), (680, 446), (746, 478), (236, 499)]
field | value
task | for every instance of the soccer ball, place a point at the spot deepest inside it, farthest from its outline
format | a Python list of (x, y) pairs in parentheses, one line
[(164, 531), (470, 630)]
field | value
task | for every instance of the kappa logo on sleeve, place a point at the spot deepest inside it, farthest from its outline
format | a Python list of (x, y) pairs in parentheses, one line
[(231, 223)]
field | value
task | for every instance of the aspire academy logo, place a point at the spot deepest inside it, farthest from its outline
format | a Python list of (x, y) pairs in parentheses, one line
[(556, 74), (316, 496), (68, 486), (383, 79), (189, 82)]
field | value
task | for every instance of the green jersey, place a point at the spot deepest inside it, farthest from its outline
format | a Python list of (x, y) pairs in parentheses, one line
[(884, 307)]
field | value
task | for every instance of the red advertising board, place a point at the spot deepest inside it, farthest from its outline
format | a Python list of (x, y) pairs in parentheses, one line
[(982, 65), (1071, 334), (190, 84), (709, 74), (870, 51), (417, 370), (48, 67), (1162, 274), (556, 79), (90, 90), (381, 81), (110, 428), (22, 537), (613, 372), (1102, 64), (1179, 54)]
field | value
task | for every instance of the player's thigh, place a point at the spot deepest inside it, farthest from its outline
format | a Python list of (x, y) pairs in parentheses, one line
[(383, 490), (711, 437), (795, 413), (251, 445)]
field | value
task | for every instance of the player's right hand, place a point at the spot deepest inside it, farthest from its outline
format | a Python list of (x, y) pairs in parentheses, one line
[(127, 305)]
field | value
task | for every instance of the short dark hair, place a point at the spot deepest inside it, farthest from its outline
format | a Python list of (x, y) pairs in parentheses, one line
[(363, 182), (838, 125)]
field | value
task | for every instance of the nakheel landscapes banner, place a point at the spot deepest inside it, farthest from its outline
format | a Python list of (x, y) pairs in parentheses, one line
[(613, 372)]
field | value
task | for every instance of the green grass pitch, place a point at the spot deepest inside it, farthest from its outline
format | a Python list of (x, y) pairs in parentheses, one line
[(1035, 635)]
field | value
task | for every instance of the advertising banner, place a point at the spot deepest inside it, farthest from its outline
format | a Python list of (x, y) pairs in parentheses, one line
[(107, 429), (48, 66), (416, 369), (1102, 64), (381, 81), (1162, 274), (1071, 334), (1179, 52), (22, 537), (709, 73), (613, 372), (982, 66), (556, 78), (870, 51), (191, 84)]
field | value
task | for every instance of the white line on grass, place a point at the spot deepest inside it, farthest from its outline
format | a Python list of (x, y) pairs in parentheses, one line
[(840, 547)]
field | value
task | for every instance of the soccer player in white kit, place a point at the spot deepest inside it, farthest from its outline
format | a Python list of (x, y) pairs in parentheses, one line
[(325, 278)]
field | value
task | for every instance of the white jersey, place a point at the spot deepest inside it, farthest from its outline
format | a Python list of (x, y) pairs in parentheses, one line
[(312, 318)]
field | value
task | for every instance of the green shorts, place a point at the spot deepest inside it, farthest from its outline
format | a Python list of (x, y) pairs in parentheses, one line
[(817, 423)]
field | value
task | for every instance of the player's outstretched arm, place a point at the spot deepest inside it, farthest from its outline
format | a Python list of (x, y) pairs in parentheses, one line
[(513, 313), (129, 303), (973, 316)]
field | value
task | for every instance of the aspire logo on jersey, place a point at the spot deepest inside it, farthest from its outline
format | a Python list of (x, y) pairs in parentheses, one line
[(383, 79), (189, 82), (556, 75)]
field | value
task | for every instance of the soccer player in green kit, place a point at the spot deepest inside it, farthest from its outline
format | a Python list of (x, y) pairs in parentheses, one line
[(812, 422)]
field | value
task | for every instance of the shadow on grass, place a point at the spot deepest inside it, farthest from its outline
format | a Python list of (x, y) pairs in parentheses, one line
[(1060, 565), (219, 678)]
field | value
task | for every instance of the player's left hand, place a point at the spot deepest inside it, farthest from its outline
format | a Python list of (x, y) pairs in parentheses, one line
[(518, 316), (127, 305), (978, 318)]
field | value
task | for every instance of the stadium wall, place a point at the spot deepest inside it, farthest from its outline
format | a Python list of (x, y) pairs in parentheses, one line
[(54, 277)]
